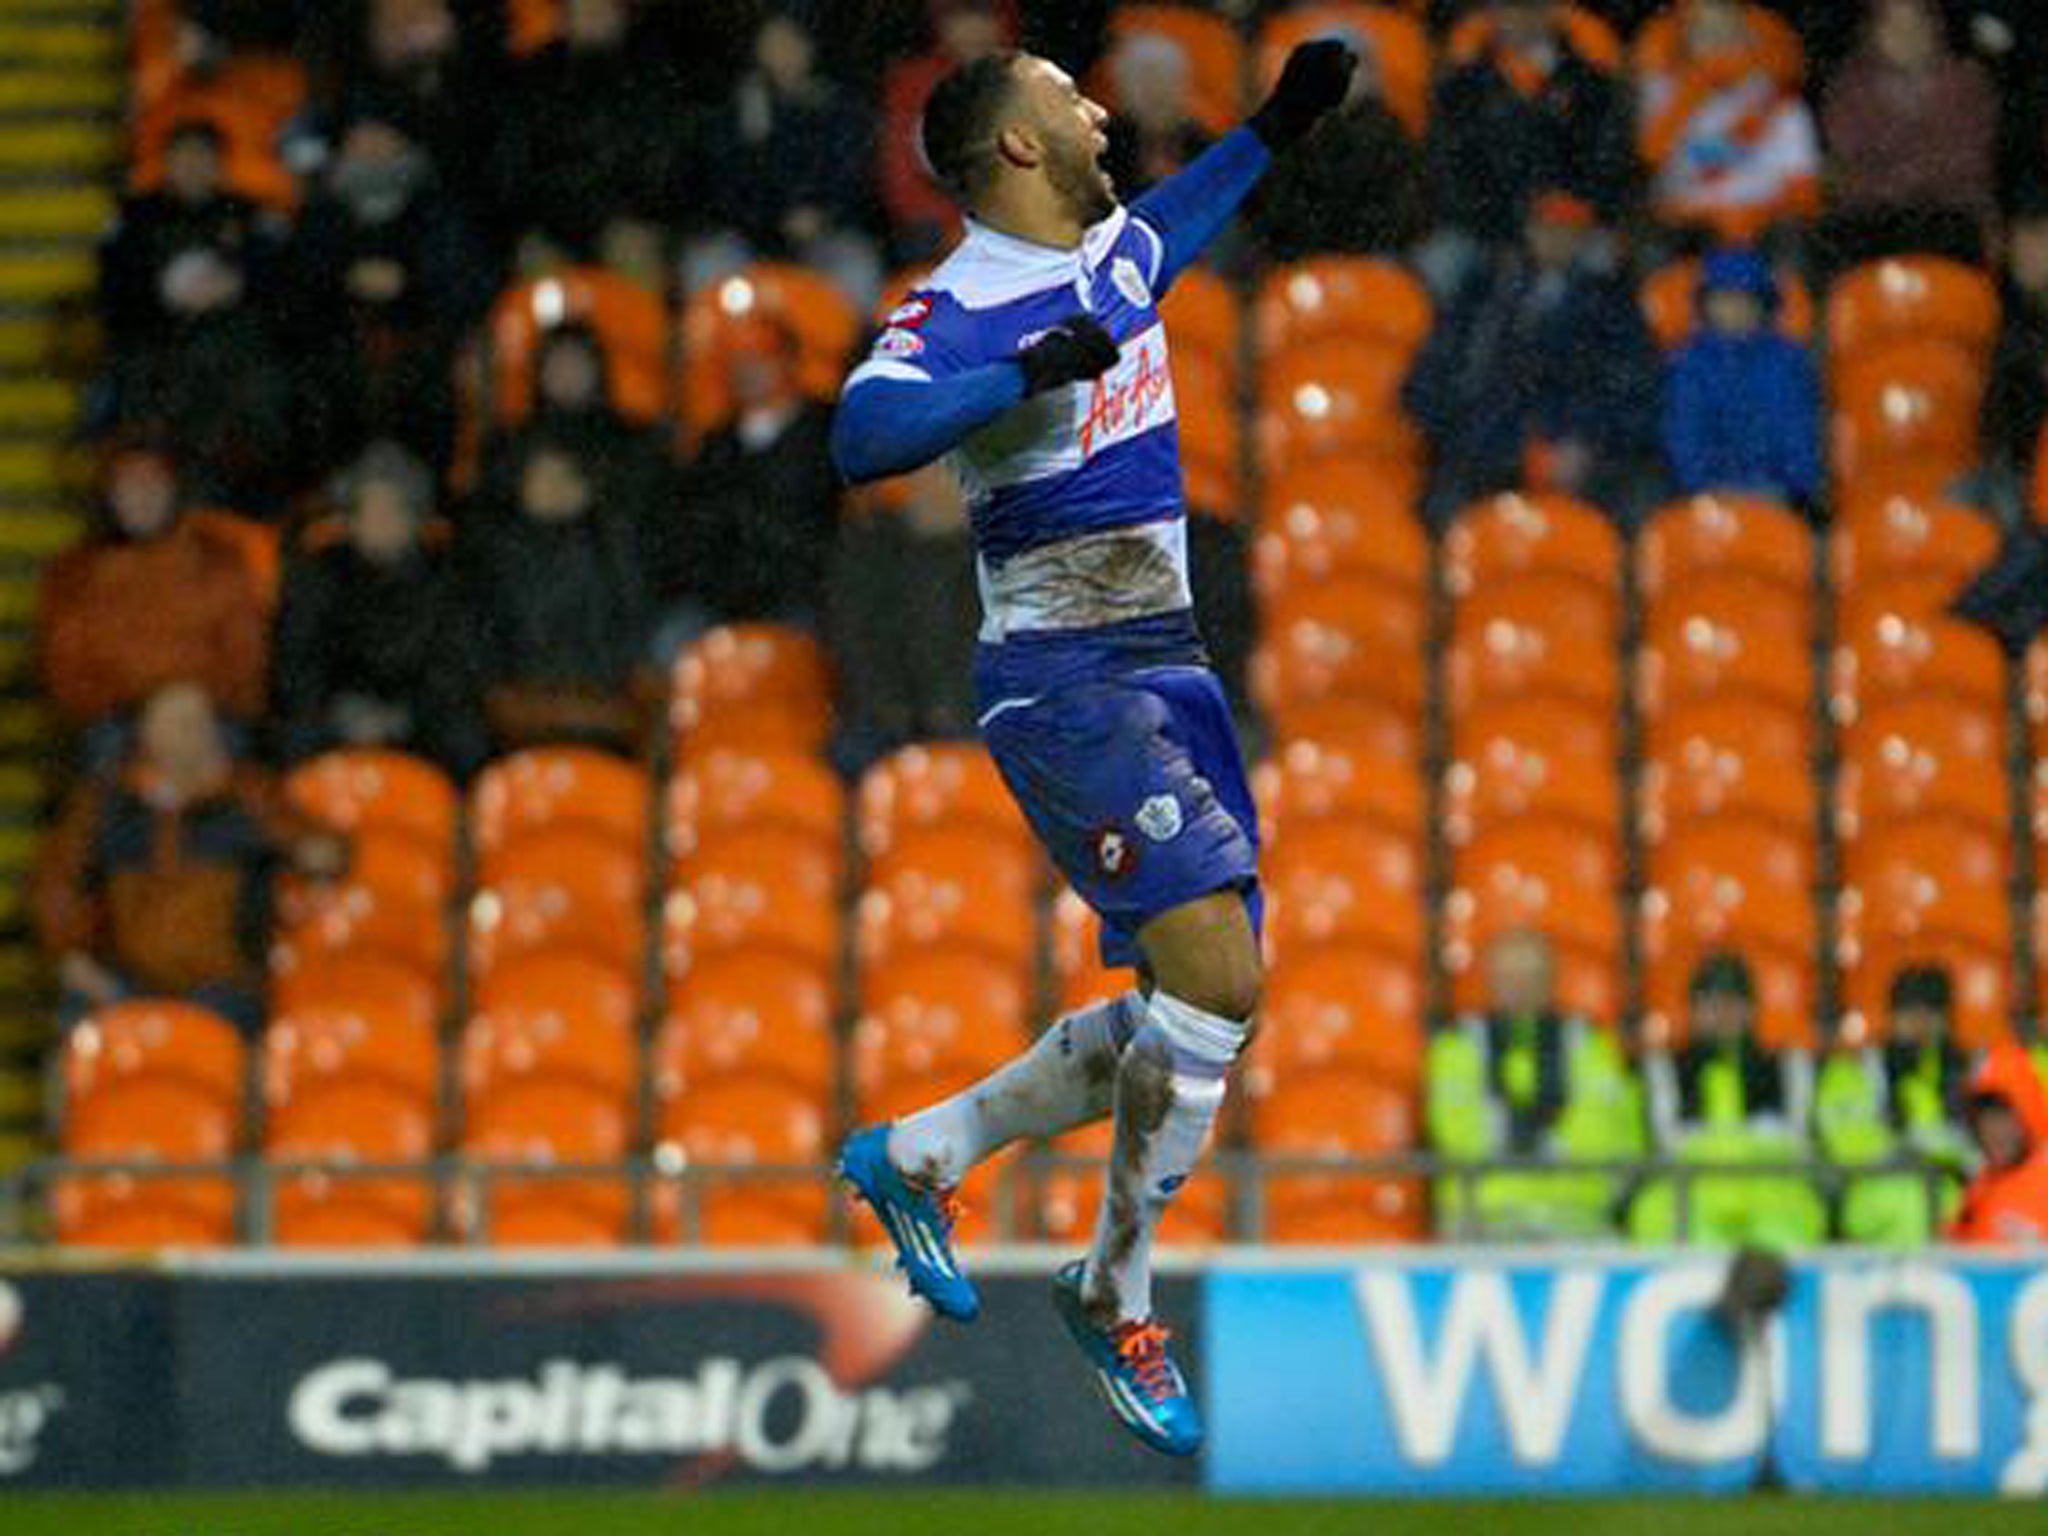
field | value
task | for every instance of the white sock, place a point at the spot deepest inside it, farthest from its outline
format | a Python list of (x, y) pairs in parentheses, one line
[(1168, 1090), (1067, 1078)]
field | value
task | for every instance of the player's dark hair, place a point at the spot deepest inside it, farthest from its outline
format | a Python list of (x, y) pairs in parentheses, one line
[(960, 123)]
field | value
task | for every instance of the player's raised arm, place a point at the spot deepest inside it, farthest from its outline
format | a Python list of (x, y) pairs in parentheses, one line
[(1187, 209)]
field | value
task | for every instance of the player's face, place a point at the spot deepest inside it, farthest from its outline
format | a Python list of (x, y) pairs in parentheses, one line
[(1070, 127)]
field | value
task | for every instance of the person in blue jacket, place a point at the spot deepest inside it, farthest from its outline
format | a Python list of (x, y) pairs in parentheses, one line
[(1742, 403)]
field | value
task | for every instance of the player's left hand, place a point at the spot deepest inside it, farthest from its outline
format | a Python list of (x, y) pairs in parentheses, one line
[(1313, 80)]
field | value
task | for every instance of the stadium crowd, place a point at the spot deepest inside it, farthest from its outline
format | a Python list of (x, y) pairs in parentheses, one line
[(466, 392)]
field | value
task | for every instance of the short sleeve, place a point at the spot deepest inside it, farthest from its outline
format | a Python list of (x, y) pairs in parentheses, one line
[(926, 337)]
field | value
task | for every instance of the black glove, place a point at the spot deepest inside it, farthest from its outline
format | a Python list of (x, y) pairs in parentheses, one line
[(1075, 349), (1315, 78)]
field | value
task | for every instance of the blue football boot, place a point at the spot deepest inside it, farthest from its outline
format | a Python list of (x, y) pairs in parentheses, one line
[(1138, 1378), (918, 1221)]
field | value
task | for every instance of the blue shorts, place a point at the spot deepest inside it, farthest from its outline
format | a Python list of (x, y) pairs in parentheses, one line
[(1135, 785)]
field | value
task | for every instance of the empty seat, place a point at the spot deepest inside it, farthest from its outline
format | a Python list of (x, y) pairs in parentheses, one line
[(767, 893), (1345, 638), (564, 888), (752, 687), (716, 794), (189, 1048), (553, 788), (1337, 518), (1305, 783), (1731, 756), (1541, 634), (1351, 883), (1723, 534), (748, 1145), (1333, 1007), (1510, 537), (949, 787), (1726, 636), (552, 1015), (315, 1044), (341, 1124), (371, 787), (1371, 727), (926, 1015), (1913, 756), (1365, 301), (373, 982), (1893, 533), (946, 903), (542, 1123), (1911, 401), (1329, 398), (142, 1120), (1894, 640), (1533, 756), (1559, 878), (1201, 315), (752, 1013), (1910, 298), (1336, 1113)]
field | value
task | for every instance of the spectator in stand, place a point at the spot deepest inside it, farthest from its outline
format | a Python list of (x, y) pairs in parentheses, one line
[(1541, 373), (903, 614), (563, 586), (1526, 1079), (762, 497), (384, 276), (788, 159), (1742, 400), (2016, 396), (149, 598), (189, 247), (1721, 1100), (592, 129), (921, 217), (1529, 111), (375, 645), (2007, 1111), (1912, 137), (156, 881), (1731, 146), (1353, 188), (420, 65), (1891, 1103), (572, 404), (1153, 132)]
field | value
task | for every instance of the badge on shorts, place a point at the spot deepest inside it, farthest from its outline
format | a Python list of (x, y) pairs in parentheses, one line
[(1115, 855), (1130, 282), (1159, 818)]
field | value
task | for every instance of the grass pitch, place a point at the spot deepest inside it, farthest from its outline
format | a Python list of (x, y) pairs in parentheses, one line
[(814, 1513)]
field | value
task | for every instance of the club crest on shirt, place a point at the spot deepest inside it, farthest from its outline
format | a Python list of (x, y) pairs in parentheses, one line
[(898, 343), (1130, 282), (912, 312), (1159, 818)]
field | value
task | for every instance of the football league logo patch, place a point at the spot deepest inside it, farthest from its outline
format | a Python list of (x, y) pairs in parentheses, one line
[(900, 344), (1130, 282), (1159, 818)]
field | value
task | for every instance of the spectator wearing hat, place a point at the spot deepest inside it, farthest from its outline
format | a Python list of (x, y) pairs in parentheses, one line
[(1741, 399), (1541, 373), (1722, 1100), (1526, 1079), (375, 645), (157, 880), (2006, 1109), (1894, 1103)]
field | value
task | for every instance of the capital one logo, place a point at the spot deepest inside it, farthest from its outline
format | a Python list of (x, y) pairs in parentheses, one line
[(24, 1411)]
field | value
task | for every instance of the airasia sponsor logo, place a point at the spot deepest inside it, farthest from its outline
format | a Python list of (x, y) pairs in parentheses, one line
[(781, 1415), (1132, 397)]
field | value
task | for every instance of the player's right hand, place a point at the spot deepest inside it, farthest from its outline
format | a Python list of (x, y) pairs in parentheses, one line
[(1075, 349)]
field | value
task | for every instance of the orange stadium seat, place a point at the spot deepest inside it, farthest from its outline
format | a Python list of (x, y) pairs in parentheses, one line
[(719, 794), (1208, 42), (1333, 1007), (1398, 43), (1704, 536), (750, 1014), (1352, 883), (755, 687), (1078, 974), (376, 983), (352, 920), (1371, 727), (1735, 883), (147, 1120), (545, 1123), (180, 1045), (1330, 397), (1910, 298), (561, 889), (1067, 1198), (247, 103), (343, 1123), (630, 323), (729, 1127), (825, 326), (1336, 1113), (1365, 301), (1670, 303), (370, 787), (938, 786), (1337, 518), (770, 892), (1724, 636), (1534, 756), (555, 788), (1734, 755), (307, 1049), (1907, 402), (1510, 537), (1541, 634), (1559, 878), (1907, 757), (924, 1015), (1305, 784), (1893, 640), (947, 901), (1894, 534), (548, 1015), (1346, 638), (1211, 428), (1201, 314)]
